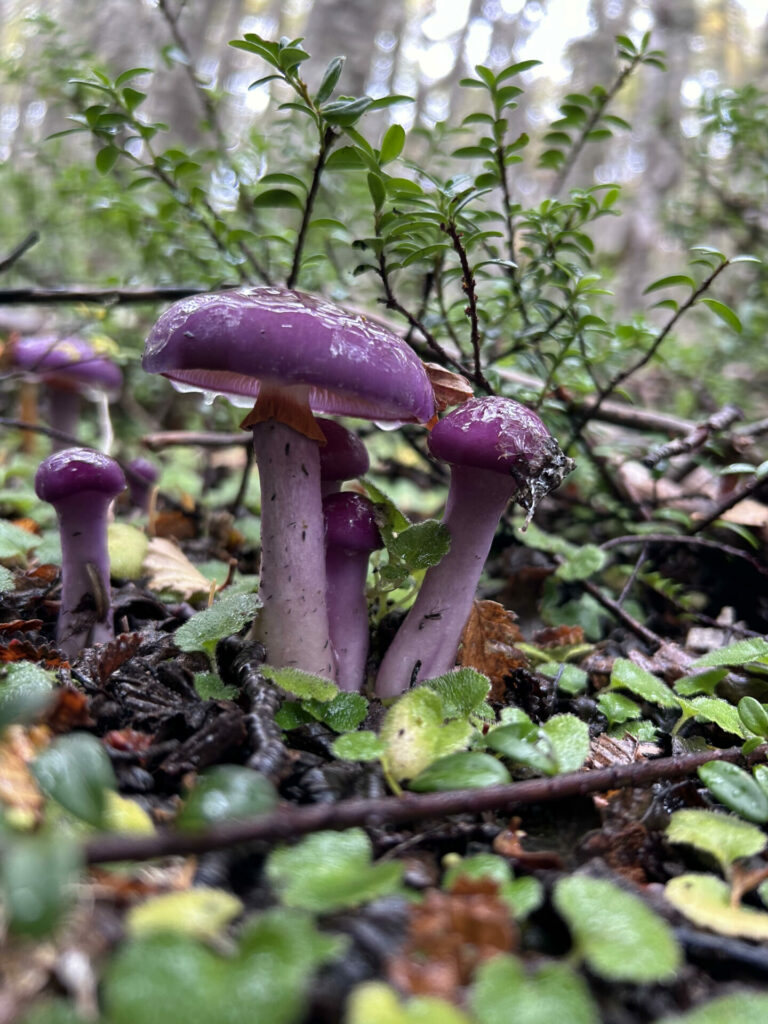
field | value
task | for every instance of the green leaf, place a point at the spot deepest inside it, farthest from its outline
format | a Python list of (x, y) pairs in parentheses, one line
[(37, 875), (725, 313), (25, 690), (75, 770), (330, 871), (464, 770), (617, 708), (303, 685), (359, 746), (504, 992), (415, 733), (167, 978), (345, 113), (740, 653), (629, 676), (525, 743), (583, 563), (329, 80), (106, 159), (345, 712), (392, 143), (619, 937), (127, 546), (227, 616), (375, 1002), (377, 190), (200, 912), (735, 788), (722, 836), (714, 709), (522, 895), (462, 691), (274, 198), (741, 1006), (227, 792), (15, 542), (568, 737), (570, 678), (754, 716), (473, 153), (706, 900), (209, 686), (421, 545), (129, 74), (345, 158), (700, 682), (670, 282)]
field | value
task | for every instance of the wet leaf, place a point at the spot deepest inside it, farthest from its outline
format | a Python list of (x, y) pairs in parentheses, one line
[(735, 788), (739, 653), (706, 900), (226, 617), (722, 836), (753, 715), (488, 642), (619, 937), (464, 770), (626, 675), (301, 684), (25, 691), (199, 912), (227, 792), (359, 746), (569, 741), (170, 569), (345, 712), (415, 733), (330, 871)]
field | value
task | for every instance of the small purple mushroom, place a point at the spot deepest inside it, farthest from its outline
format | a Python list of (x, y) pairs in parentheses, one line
[(351, 534), (497, 450), (293, 355), (80, 484), (142, 476), (69, 367), (342, 457)]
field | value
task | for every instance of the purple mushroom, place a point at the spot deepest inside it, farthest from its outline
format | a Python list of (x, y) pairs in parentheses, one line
[(80, 484), (342, 457), (69, 367), (293, 355), (142, 476), (351, 534), (497, 450)]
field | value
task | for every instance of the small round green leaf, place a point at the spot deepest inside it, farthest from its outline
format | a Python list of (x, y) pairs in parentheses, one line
[(735, 788), (228, 792), (75, 770), (464, 770)]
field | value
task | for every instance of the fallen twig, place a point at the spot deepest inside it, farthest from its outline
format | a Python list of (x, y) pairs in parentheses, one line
[(676, 538), (294, 821), (694, 440)]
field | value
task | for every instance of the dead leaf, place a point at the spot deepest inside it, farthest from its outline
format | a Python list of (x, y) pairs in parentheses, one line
[(508, 843), (19, 791), (69, 710), (170, 569), (746, 512), (174, 524), (20, 626), (488, 643), (25, 650), (607, 751), (559, 636), (450, 388)]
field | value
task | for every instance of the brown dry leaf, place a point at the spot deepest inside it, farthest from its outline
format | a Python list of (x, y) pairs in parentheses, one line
[(449, 934), (170, 569), (747, 512), (20, 626), (488, 642), (19, 791), (607, 751), (25, 523), (174, 524), (130, 740), (450, 388), (70, 710), (559, 636), (508, 843), (25, 650)]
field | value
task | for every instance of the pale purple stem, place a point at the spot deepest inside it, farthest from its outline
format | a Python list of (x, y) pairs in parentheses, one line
[(348, 615), (293, 620), (85, 616), (63, 413), (425, 646)]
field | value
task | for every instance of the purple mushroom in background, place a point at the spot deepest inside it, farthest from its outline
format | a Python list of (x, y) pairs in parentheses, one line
[(497, 450), (351, 534), (70, 368), (80, 484), (342, 457), (142, 476), (293, 355)]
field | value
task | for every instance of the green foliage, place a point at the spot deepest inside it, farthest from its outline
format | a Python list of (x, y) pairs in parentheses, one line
[(615, 932), (708, 902), (523, 895), (224, 618), (37, 876), (330, 871), (739, 1006), (722, 836), (199, 912), (301, 684), (373, 1002), (227, 792), (561, 744), (468, 769), (505, 991), (76, 772), (735, 788), (25, 690)]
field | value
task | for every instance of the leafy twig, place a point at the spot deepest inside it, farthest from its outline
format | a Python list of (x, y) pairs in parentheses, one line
[(468, 287), (327, 138), (294, 821)]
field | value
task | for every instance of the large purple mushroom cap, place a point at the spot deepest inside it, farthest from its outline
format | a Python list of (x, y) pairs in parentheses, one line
[(502, 436), (231, 343), (66, 362), (76, 471)]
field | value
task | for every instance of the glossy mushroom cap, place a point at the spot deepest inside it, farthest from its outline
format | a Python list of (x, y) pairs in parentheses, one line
[(67, 362), (231, 342), (350, 523), (502, 436), (75, 471), (343, 456)]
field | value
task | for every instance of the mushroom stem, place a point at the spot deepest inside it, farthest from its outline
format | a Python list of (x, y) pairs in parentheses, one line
[(348, 614), (293, 621), (63, 413), (85, 616), (425, 646)]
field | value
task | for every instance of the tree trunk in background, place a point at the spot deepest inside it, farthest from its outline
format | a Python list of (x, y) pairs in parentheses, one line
[(340, 28)]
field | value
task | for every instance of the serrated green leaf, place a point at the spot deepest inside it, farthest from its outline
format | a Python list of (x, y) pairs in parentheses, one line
[(14, 541), (416, 734), (300, 684), (629, 676), (617, 708), (359, 746), (700, 682), (568, 737), (227, 616), (75, 771), (584, 562), (25, 690), (619, 937), (462, 691), (345, 712), (723, 836), (740, 653), (330, 871), (468, 769), (714, 709), (421, 545)]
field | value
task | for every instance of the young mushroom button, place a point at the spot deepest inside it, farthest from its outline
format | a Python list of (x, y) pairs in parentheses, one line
[(80, 484), (342, 457), (351, 534), (294, 355), (497, 450)]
